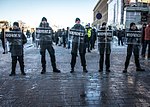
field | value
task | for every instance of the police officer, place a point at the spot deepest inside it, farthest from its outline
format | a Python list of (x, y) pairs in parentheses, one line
[(16, 49), (104, 49), (46, 44), (82, 47), (135, 49)]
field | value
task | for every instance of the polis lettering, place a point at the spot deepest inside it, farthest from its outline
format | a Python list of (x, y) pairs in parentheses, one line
[(104, 33), (43, 31), (74, 33), (13, 34)]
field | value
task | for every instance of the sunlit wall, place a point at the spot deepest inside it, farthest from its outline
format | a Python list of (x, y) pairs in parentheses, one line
[(145, 1)]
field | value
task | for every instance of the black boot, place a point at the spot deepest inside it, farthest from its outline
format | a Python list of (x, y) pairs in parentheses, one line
[(43, 70), (22, 69), (56, 70), (13, 69), (72, 70), (108, 70), (125, 71), (140, 69), (100, 70), (12, 74), (85, 70)]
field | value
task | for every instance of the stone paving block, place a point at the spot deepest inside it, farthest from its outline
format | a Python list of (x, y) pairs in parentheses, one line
[(114, 89)]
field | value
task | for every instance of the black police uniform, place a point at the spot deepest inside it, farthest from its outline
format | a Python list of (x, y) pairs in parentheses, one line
[(104, 49), (135, 49), (82, 49), (16, 49), (46, 44)]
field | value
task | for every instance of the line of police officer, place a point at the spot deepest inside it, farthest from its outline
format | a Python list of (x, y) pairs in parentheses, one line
[(78, 43)]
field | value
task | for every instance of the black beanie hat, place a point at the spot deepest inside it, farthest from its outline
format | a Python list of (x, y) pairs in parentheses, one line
[(16, 24), (77, 19), (44, 19), (131, 24)]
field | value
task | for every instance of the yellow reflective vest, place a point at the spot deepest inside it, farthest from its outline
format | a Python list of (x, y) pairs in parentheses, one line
[(89, 32)]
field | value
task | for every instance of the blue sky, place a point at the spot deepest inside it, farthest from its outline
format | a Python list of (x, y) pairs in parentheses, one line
[(59, 12)]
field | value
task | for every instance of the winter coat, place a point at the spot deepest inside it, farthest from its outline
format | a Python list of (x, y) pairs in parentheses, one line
[(94, 34), (133, 47), (120, 34), (133, 40), (16, 45), (143, 34), (45, 39), (147, 33), (75, 41), (104, 47)]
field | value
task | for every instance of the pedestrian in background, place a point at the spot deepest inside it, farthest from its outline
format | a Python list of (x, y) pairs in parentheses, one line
[(3, 40), (46, 44), (135, 49), (120, 34), (63, 33), (33, 36), (16, 49), (68, 38), (28, 34), (143, 41), (147, 41), (93, 38)]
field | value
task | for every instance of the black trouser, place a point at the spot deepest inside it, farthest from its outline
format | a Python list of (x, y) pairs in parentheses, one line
[(92, 44), (107, 61), (89, 43), (64, 42), (51, 52), (104, 49), (135, 50), (82, 58), (144, 46), (82, 50), (120, 40), (14, 62)]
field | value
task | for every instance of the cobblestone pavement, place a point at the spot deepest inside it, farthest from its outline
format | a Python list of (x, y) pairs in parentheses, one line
[(114, 89)]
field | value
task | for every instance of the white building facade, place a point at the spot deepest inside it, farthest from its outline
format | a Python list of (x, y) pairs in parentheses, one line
[(115, 12), (122, 12)]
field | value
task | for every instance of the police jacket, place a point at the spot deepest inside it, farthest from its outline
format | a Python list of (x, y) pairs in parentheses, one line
[(103, 46), (147, 33), (88, 32), (45, 39), (132, 40), (75, 38), (120, 34), (16, 45), (79, 43), (133, 47)]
